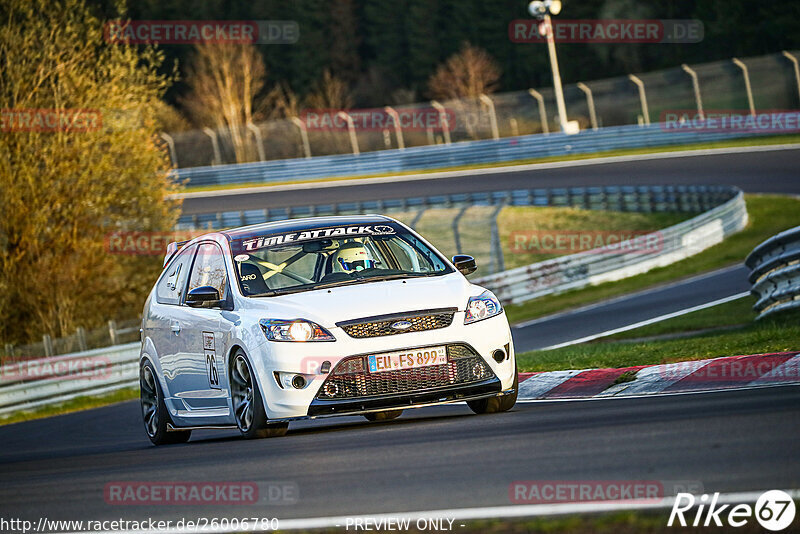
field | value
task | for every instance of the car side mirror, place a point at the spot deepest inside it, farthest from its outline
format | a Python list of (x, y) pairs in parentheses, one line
[(465, 264), (204, 297)]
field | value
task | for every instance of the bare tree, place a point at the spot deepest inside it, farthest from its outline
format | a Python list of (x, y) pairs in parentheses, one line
[(468, 73), (224, 80), (330, 93)]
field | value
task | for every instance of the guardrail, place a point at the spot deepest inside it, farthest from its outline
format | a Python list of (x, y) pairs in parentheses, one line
[(32, 383), (597, 266), (775, 273), (450, 155)]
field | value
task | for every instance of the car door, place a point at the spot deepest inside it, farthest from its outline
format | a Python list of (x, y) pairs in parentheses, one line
[(165, 320), (203, 369)]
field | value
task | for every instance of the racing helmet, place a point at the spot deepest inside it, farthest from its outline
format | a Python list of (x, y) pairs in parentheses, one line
[(352, 257)]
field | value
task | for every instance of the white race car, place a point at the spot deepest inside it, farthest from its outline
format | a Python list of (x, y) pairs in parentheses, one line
[(261, 325)]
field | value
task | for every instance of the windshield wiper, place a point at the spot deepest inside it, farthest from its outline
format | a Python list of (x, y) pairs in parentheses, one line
[(350, 281), (309, 287)]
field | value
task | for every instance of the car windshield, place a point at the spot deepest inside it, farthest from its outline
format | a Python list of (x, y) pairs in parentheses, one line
[(289, 262)]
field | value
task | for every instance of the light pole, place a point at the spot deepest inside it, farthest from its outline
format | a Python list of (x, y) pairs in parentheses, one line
[(542, 10)]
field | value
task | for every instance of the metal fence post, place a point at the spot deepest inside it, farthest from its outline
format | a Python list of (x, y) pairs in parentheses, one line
[(398, 128), (303, 135), (512, 122), (590, 102), (416, 218), (443, 120), (739, 63), (456, 234), (82, 338), (262, 156), (171, 145), (47, 342), (351, 129), (642, 97), (112, 332), (794, 61), (492, 115), (542, 113), (9, 348), (696, 87), (498, 263), (214, 144)]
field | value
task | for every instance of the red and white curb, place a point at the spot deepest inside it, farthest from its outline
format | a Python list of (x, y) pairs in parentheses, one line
[(733, 372)]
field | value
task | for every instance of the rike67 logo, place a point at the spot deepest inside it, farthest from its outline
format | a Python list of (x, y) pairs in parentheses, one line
[(774, 510)]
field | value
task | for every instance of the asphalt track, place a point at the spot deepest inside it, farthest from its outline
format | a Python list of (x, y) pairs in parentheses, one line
[(774, 171), (630, 309), (432, 458), (443, 457)]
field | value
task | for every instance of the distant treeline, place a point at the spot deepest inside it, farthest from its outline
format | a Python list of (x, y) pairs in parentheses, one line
[(387, 49)]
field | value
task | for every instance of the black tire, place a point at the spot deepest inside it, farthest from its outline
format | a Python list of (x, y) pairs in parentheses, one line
[(154, 411), (248, 406), (388, 415), (497, 404)]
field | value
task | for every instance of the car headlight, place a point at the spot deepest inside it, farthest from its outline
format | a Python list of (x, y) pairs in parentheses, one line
[(295, 330), (482, 307)]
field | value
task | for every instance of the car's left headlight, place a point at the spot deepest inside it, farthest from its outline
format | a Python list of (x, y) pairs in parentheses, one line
[(296, 330), (482, 307)]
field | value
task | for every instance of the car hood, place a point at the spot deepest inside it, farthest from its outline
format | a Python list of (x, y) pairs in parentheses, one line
[(332, 305)]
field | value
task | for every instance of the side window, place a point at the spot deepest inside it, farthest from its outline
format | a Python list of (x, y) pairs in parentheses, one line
[(173, 280), (209, 269)]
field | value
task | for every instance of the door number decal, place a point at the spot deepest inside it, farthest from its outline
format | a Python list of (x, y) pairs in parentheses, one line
[(211, 360)]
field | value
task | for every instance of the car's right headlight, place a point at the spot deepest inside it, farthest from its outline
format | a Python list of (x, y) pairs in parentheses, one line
[(482, 307), (295, 330)]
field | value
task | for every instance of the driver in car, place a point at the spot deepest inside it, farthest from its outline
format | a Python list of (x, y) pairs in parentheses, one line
[(352, 257)]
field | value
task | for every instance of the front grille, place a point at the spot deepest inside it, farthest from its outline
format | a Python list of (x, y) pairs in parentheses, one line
[(382, 326), (351, 377)]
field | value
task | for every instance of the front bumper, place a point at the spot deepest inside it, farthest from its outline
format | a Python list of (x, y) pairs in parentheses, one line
[(286, 403), (487, 388)]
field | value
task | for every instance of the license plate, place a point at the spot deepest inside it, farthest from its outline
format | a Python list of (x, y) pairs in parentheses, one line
[(407, 359)]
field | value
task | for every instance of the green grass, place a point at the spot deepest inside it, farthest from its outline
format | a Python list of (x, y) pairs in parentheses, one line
[(74, 405), (769, 214), (751, 141), (735, 313), (778, 334)]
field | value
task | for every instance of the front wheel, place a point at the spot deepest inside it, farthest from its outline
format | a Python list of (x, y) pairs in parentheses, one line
[(497, 404), (154, 411), (248, 407)]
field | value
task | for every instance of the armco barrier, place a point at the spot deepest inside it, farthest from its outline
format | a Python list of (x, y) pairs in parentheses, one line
[(631, 198), (775, 273), (32, 383), (438, 156), (589, 268)]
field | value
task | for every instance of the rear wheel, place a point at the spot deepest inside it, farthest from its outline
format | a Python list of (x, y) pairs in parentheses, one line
[(154, 411), (388, 415), (248, 407), (497, 404)]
